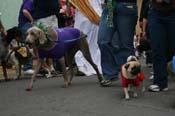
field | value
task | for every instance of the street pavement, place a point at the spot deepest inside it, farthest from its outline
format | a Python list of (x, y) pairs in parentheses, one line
[(83, 98)]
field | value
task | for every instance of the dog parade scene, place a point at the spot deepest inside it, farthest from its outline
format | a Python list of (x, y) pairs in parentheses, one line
[(87, 57)]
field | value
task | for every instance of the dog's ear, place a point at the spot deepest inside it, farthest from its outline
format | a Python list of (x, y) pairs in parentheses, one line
[(127, 66), (42, 37)]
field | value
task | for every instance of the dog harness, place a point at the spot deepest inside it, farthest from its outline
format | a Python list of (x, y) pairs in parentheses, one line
[(67, 38), (136, 82)]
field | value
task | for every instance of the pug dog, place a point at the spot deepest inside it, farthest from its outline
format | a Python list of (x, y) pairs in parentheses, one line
[(132, 74)]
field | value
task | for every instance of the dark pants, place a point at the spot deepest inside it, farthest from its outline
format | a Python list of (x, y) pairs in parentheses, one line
[(149, 57), (162, 35)]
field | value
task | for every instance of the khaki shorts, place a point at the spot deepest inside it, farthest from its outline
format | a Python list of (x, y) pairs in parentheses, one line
[(50, 21)]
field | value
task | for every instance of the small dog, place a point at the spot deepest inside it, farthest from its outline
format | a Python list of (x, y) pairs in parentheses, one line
[(13, 52), (19, 57), (132, 75), (144, 45), (57, 44), (4, 48)]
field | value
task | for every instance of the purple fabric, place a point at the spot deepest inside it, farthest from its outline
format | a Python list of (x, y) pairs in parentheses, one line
[(28, 5), (67, 38)]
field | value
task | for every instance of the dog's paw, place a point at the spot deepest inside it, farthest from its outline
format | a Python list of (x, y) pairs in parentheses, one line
[(143, 89), (127, 97), (8, 79), (15, 77), (48, 76), (69, 83), (66, 85), (135, 95), (28, 89)]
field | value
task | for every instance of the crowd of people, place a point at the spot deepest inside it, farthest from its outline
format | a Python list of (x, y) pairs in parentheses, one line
[(110, 33)]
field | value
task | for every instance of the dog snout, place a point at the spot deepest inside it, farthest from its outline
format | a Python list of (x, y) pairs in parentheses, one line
[(28, 39), (135, 70)]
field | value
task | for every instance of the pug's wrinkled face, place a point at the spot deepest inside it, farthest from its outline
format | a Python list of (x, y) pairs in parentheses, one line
[(35, 35), (132, 69)]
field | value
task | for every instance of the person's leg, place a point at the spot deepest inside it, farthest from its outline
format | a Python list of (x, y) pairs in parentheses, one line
[(149, 57), (125, 22), (171, 34), (158, 37), (108, 63)]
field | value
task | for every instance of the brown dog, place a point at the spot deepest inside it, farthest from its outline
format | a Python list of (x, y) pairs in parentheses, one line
[(4, 48), (131, 75), (59, 43)]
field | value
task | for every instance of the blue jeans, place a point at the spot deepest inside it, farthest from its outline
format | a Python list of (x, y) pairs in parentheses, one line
[(162, 36), (116, 43), (24, 29)]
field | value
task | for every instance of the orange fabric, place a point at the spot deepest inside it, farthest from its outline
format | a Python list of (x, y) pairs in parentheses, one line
[(86, 9)]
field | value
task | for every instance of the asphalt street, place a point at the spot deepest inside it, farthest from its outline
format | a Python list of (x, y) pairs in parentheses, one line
[(83, 98)]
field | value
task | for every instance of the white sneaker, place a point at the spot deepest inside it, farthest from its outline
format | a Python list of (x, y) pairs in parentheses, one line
[(151, 77), (156, 88), (30, 71)]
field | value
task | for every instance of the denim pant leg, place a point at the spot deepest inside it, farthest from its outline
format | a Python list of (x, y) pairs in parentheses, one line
[(24, 30), (125, 19), (108, 64), (171, 42), (158, 35)]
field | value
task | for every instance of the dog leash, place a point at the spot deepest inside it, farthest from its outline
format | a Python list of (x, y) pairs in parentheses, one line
[(8, 56)]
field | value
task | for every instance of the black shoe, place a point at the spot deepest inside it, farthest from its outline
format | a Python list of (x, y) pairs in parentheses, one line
[(106, 83), (79, 73), (114, 79)]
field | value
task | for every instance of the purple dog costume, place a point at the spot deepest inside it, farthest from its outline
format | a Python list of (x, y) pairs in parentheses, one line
[(67, 37)]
